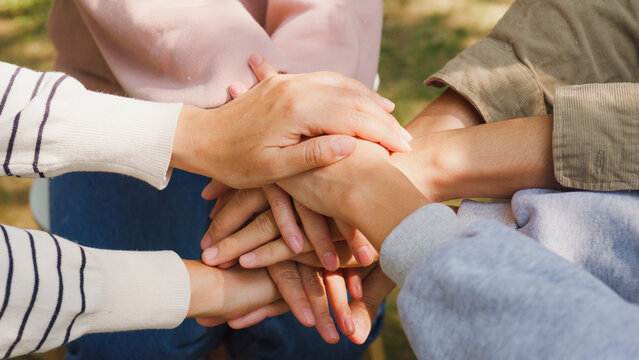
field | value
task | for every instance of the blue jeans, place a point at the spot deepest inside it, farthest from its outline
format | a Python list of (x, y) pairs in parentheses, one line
[(117, 212)]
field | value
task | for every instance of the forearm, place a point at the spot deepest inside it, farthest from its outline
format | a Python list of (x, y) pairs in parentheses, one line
[(51, 125), (57, 291), (489, 160), (506, 286)]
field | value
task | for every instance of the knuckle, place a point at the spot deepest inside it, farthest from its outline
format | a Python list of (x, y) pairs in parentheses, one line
[(288, 277), (245, 197), (217, 226), (313, 286), (279, 202), (315, 153), (360, 100), (265, 223), (371, 303), (228, 246)]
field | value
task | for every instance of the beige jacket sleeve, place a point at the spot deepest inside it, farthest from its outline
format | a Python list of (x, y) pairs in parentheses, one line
[(553, 56)]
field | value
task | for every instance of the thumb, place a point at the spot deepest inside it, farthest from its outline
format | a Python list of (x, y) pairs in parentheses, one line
[(316, 152)]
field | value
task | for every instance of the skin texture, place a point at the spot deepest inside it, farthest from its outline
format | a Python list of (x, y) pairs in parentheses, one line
[(225, 294), (454, 155), (256, 140)]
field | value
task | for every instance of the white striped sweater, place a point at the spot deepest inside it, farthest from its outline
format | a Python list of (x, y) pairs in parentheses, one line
[(51, 289)]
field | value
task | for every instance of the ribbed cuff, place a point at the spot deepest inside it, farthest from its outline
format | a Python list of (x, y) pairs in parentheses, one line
[(595, 136), (489, 76), (98, 132), (132, 290), (414, 237)]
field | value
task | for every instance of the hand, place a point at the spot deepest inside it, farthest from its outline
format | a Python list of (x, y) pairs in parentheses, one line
[(365, 190), (226, 294), (258, 244), (257, 138), (306, 291)]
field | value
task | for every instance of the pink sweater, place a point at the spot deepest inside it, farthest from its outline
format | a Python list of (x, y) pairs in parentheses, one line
[(192, 50)]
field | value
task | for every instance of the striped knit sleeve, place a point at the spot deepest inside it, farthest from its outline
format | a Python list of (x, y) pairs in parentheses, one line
[(53, 291), (50, 125)]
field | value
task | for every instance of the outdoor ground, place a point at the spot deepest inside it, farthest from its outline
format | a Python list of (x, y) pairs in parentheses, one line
[(419, 37)]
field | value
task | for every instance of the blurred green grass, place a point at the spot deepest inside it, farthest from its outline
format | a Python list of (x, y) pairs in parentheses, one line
[(419, 37)]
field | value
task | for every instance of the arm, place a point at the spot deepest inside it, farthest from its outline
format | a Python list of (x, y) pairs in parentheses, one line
[(55, 291), (517, 72), (511, 297), (154, 48), (501, 282), (51, 125)]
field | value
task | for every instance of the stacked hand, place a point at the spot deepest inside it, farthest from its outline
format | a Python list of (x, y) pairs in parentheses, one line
[(295, 258)]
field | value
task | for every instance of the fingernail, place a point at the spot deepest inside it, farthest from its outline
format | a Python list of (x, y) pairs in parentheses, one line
[(364, 256), (331, 333), (206, 242), (344, 146), (408, 136), (308, 317), (256, 59), (206, 192), (331, 262), (236, 89), (389, 105), (209, 254), (360, 327), (405, 146), (349, 326), (297, 244), (248, 259)]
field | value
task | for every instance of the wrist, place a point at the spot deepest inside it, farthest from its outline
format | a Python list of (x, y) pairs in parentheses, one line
[(378, 205), (203, 278), (195, 141), (426, 167)]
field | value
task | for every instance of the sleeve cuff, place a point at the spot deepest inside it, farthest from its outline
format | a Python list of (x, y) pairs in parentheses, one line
[(491, 77), (129, 290), (414, 237), (101, 132), (595, 142)]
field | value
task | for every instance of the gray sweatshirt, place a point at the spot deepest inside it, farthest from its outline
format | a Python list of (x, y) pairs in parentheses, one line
[(488, 291)]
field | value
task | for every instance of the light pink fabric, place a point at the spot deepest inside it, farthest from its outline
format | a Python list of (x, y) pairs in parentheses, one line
[(191, 50)]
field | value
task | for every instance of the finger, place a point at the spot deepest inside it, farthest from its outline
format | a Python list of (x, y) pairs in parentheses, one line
[(346, 258), (214, 189), (339, 80), (364, 252), (210, 321), (273, 252), (243, 205), (221, 202), (256, 316), (284, 215), (318, 233), (338, 298), (259, 231), (353, 282), (316, 294), (236, 89), (261, 68), (368, 126), (315, 152), (286, 277), (376, 286)]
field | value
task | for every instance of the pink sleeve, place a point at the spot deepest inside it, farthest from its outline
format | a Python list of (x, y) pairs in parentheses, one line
[(191, 50)]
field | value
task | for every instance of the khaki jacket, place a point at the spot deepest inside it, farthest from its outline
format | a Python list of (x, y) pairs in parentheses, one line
[(576, 59)]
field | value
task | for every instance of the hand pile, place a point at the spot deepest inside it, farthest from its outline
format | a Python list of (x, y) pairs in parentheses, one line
[(256, 223)]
